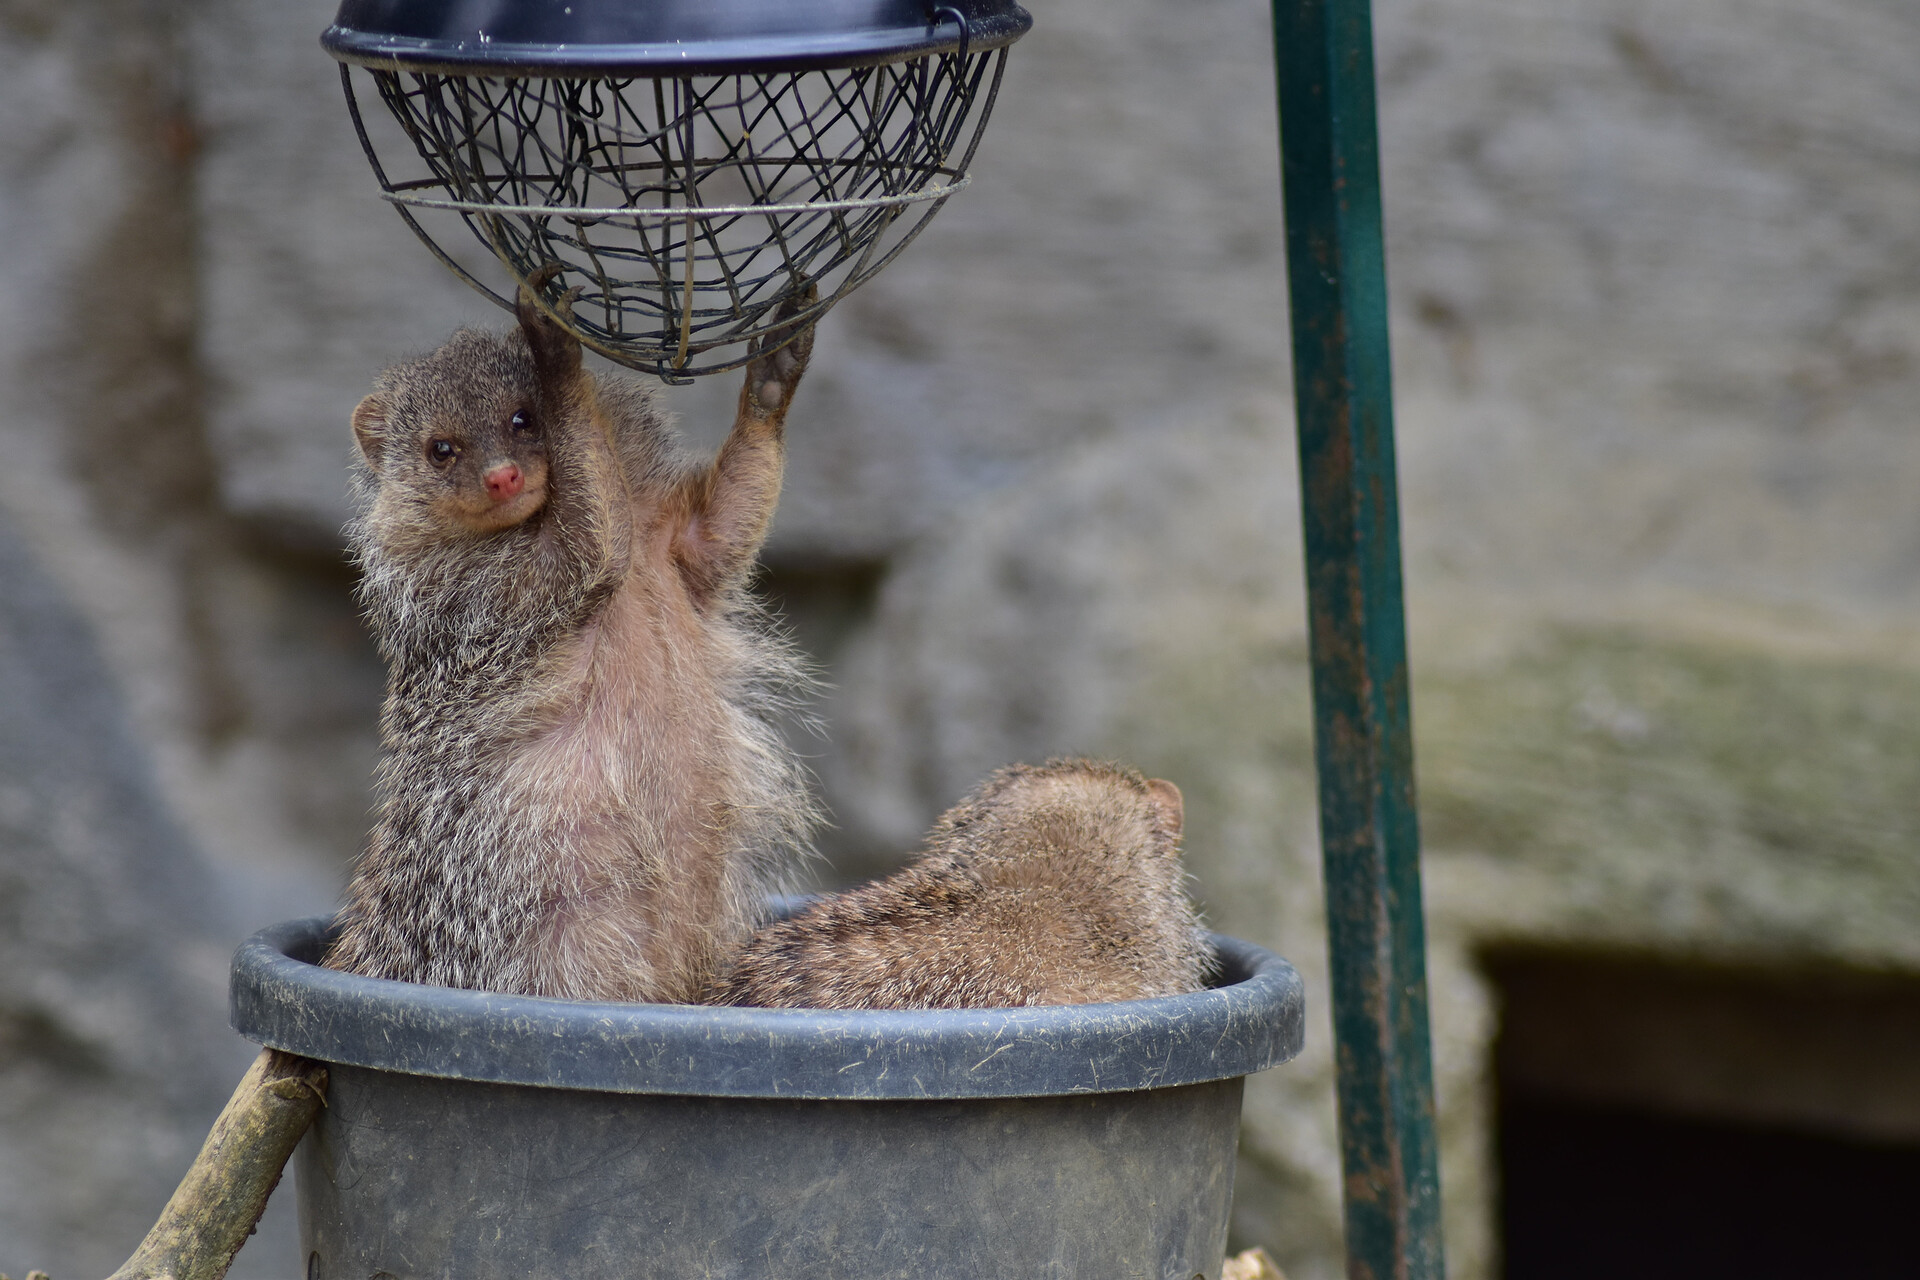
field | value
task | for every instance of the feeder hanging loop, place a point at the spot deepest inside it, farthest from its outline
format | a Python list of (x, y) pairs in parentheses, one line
[(937, 11)]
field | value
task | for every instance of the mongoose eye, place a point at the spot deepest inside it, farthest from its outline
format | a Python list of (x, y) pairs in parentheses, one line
[(523, 423), (442, 450)]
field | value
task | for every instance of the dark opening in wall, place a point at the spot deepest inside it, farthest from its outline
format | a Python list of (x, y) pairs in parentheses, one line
[(1659, 1120)]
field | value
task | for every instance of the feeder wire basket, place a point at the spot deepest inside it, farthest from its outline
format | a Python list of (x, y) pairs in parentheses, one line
[(686, 208)]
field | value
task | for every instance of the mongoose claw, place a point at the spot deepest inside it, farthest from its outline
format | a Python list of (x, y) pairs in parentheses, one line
[(540, 279), (544, 274)]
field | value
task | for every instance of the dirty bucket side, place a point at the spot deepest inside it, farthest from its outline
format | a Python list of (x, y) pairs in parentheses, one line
[(477, 1135), (409, 1176)]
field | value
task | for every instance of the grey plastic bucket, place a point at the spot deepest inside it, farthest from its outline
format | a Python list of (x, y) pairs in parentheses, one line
[(471, 1136)]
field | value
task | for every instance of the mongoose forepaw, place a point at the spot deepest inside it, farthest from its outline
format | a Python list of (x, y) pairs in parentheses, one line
[(773, 376), (556, 351)]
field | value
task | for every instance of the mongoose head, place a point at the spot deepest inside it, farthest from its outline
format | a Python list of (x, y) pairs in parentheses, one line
[(455, 441)]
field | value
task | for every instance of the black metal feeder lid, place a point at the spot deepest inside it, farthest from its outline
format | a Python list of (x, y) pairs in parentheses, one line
[(691, 167), (660, 37)]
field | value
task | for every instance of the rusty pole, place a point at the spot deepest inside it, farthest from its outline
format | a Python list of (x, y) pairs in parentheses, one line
[(1363, 745)]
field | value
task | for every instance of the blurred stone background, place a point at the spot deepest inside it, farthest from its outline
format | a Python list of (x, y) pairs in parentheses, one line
[(1656, 280)]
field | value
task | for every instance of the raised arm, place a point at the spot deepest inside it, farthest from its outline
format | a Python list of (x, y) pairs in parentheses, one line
[(588, 498)]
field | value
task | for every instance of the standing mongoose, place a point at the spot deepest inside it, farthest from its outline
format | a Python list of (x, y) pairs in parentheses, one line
[(1060, 884), (583, 790)]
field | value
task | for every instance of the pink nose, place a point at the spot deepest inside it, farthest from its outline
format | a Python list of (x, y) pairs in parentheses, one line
[(504, 481)]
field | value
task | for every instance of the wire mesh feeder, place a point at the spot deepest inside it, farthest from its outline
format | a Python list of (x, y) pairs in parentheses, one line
[(686, 188)]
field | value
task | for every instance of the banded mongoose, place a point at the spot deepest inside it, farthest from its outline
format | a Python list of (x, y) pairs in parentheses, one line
[(1058, 884), (583, 792)]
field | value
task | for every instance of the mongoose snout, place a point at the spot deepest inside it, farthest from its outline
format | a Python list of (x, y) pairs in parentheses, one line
[(504, 481)]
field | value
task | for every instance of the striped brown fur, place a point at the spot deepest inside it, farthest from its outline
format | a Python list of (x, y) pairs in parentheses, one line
[(1059, 884), (583, 791)]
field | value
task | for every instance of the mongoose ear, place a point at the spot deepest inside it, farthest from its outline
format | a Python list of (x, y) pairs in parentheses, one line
[(1166, 800), (556, 353), (370, 427)]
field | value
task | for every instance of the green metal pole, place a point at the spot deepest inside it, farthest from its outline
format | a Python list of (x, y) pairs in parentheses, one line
[(1370, 837)]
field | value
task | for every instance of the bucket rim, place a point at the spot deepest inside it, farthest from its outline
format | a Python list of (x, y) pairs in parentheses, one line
[(281, 998)]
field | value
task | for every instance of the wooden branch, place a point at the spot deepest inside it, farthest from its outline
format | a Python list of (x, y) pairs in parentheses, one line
[(219, 1202)]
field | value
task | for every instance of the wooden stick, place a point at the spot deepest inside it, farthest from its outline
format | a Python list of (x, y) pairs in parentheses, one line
[(218, 1203)]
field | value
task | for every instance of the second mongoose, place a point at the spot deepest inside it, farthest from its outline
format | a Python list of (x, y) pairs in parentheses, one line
[(1058, 884), (584, 791)]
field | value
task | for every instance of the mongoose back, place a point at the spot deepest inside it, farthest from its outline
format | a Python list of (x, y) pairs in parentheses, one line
[(1059, 884), (583, 792)]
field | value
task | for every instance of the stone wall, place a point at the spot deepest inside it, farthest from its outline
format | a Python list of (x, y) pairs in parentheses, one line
[(1656, 289)]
